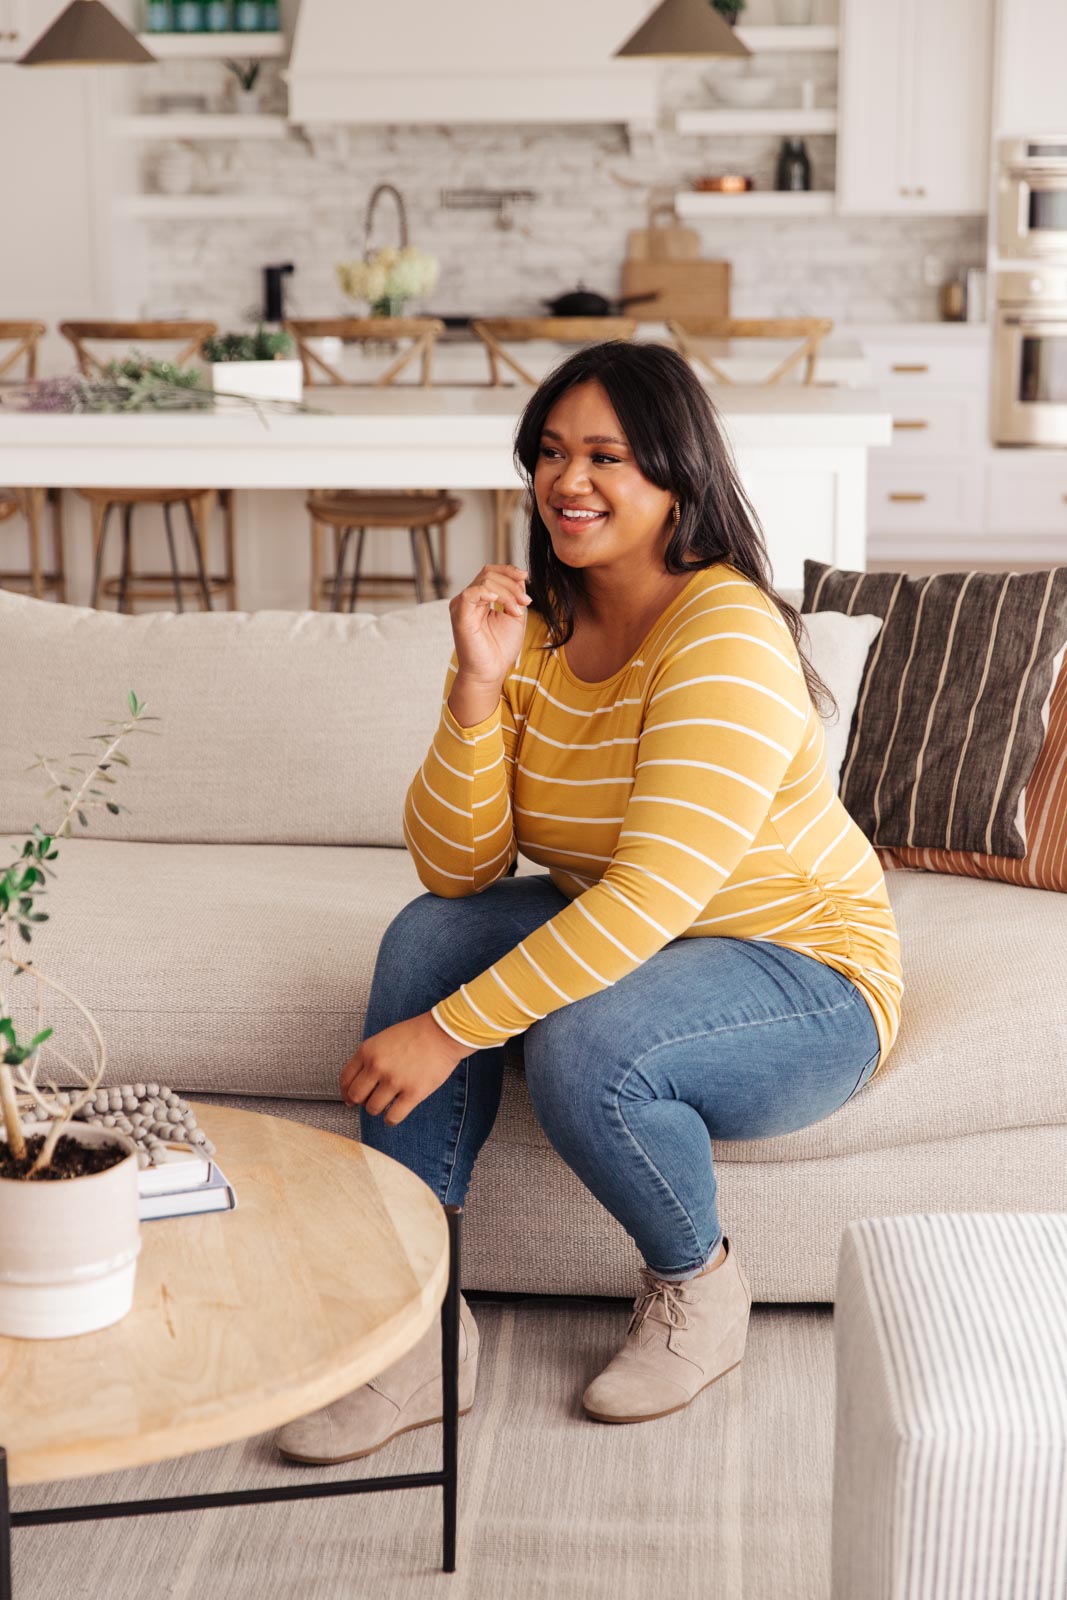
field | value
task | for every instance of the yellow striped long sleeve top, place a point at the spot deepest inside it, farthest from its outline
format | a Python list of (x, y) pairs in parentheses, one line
[(687, 796)]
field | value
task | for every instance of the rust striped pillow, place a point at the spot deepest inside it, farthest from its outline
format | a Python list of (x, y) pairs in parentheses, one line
[(953, 707), (1044, 866)]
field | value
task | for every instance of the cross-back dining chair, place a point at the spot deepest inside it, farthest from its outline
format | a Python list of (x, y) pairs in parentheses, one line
[(131, 583), (690, 334), (18, 362), (423, 513), (497, 333)]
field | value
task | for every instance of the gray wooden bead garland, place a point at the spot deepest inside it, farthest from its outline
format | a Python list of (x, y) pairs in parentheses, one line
[(149, 1114)]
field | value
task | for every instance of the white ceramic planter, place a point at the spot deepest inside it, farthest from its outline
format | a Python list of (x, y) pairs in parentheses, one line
[(259, 380), (68, 1249)]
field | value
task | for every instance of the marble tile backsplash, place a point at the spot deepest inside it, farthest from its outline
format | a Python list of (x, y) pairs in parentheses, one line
[(591, 185)]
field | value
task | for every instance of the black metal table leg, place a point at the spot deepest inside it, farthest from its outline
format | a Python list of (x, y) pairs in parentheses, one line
[(450, 1388), (447, 1480), (5, 1531)]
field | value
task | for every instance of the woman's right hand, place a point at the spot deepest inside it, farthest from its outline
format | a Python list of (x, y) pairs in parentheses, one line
[(487, 641)]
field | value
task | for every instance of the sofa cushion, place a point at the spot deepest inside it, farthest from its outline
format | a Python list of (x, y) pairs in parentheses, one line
[(1044, 866), (954, 704), (838, 647), (277, 726), (246, 970)]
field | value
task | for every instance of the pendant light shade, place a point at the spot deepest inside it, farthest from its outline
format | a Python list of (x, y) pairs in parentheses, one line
[(684, 28), (86, 34)]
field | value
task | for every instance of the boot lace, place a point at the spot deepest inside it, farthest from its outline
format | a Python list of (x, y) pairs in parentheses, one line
[(663, 1295)]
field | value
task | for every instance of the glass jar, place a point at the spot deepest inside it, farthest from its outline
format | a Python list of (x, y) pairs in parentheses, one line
[(158, 17), (219, 16), (190, 16), (247, 16), (269, 19)]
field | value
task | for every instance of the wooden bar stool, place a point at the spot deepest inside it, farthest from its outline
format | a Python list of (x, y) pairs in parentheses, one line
[(496, 333), (688, 334), (423, 512), (29, 503), (133, 583)]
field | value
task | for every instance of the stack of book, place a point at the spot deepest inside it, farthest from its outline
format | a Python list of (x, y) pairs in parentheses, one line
[(184, 1182)]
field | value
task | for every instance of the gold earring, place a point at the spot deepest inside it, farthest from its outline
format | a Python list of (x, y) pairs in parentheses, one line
[(677, 514)]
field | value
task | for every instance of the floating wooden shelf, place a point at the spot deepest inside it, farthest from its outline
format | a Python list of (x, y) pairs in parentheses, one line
[(786, 38), (177, 207), (769, 119), (195, 125), (756, 203), (191, 46)]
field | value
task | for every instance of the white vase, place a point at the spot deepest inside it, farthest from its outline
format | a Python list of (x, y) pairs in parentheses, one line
[(793, 13), (68, 1248), (259, 380), (175, 170), (246, 102)]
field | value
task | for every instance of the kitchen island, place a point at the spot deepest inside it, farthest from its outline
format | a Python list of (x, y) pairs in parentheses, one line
[(801, 453)]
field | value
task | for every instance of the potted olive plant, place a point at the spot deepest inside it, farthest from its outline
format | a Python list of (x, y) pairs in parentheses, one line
[(69, 1230)]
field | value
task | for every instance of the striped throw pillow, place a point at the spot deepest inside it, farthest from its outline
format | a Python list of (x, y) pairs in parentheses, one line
[(953, 708), (1044, 866)]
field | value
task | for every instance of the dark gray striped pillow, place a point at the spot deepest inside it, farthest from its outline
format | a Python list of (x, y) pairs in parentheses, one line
[(949, 721)]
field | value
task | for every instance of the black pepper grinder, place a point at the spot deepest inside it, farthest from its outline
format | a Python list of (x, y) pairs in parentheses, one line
[(794, 167)]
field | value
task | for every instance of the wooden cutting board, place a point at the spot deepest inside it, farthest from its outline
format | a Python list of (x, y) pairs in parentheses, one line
[(685, 288), (667, 243)]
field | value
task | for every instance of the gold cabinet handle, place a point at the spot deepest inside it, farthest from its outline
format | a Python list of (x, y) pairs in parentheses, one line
[(910, 426), (903, 366), (907, 497)]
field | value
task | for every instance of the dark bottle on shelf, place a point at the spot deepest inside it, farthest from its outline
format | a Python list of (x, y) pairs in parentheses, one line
[(794, 167)]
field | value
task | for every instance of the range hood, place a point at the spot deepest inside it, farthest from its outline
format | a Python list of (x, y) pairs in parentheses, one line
[(486, 61)]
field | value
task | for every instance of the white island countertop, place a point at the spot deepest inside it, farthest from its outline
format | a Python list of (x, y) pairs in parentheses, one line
[(403, 437)]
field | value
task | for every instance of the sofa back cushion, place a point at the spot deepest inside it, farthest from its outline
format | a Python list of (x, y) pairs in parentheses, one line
[(277, 727)]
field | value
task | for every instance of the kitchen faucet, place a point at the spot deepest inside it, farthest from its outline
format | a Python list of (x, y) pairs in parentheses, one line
[(384, 188)]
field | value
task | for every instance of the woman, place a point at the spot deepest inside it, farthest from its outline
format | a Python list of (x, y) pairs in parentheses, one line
[(711, 953)]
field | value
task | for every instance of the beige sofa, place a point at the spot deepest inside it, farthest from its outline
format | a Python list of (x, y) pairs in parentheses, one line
[(223, 931)]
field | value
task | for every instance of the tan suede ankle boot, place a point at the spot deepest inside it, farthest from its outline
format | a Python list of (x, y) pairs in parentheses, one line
[(406, 1395), (682, 1336)]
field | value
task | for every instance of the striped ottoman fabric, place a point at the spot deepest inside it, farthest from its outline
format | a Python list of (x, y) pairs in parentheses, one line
[(950, 1452)]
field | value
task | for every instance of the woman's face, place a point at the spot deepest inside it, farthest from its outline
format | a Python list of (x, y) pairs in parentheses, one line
[(585, 466)]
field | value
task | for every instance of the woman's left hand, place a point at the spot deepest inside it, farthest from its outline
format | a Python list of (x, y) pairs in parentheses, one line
[(399, 1067)]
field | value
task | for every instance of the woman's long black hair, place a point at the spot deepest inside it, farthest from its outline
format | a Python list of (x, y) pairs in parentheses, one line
[(673, 431)]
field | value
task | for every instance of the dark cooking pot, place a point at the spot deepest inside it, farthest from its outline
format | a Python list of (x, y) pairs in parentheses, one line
[(583, 302)]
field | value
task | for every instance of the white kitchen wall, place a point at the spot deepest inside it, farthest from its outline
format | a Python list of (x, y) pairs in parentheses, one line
[(591, 187)]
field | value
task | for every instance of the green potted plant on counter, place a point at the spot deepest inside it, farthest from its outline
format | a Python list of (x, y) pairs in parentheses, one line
[(69, 1229), (254, 365)]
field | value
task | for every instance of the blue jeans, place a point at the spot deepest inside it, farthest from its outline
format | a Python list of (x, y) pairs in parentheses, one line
[(711, 1038)]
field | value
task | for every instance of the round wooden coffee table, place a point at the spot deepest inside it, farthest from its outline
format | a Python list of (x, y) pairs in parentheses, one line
[(333, 1265)]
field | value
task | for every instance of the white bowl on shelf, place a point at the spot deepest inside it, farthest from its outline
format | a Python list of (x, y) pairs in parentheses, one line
[(742, 93)]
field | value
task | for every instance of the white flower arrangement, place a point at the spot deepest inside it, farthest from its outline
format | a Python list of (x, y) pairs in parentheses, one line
[(389, 277)]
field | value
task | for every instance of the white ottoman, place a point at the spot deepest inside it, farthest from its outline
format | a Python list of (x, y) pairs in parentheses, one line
[(950, 1449)]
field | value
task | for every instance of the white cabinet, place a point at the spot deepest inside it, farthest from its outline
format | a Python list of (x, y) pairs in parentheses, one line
[(927, 491), (1031, 50), (914, 91)]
